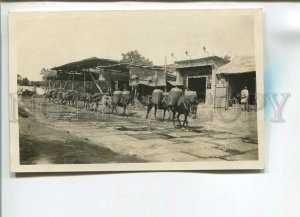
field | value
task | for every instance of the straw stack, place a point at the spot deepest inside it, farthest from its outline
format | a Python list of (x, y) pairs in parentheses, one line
[(126, 95), (191, 96), (157, 96), (165, 97), (117, 95), (175, 93)]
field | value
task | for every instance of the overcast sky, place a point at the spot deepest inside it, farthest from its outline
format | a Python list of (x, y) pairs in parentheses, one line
[(51, 39)]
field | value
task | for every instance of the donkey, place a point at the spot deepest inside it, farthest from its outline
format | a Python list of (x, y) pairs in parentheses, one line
[(122, 100), (51, 94), (163, 105), (94, 101), (185, 106), (85, 97), (105, 104), (70, 96)]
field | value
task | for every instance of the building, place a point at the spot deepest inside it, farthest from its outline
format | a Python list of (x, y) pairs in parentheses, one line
[(217, 81), (139, 79), (200, 75), (83, 75), (232, 78), (116, 77)]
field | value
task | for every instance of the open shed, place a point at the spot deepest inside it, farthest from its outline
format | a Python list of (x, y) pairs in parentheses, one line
[(144, 79), (233, 77), (83, 74), (116, 76)]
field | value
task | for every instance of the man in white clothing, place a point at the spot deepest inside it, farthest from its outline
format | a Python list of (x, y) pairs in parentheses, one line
[(245, 98)]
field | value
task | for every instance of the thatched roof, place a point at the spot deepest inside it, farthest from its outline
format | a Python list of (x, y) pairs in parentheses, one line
[(77, 70), (149, 76), (238, 64), (126, 66), (85, 64)]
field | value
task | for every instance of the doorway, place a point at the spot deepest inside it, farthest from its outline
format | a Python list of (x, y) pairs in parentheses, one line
[(239, 81), (199, 85)]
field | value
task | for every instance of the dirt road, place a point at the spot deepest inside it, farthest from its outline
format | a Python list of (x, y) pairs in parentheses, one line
[(61, 134)]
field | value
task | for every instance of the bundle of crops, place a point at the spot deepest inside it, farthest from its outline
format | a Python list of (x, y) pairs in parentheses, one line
[(165, 97), (191, 96), (106, 97), (174, 95), (84, 96), (126, 94), (97, 96), (157, 96), (125, 97), (117, 95), (166, 94)]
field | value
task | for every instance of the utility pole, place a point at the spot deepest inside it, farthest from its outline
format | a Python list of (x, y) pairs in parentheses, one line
[(166, 73)]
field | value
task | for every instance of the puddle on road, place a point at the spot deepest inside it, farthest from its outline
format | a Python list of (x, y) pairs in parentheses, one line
[(195, 129), (143, 136), (158, 133), (122, 128), (248, 139)]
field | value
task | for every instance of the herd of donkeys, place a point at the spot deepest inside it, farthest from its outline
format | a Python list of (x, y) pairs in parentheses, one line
[(176, 101)]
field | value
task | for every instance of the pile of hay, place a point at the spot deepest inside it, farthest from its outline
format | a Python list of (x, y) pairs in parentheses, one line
[(117, 95), (174, 96), (126, 94), (157, 96), (191, 96)]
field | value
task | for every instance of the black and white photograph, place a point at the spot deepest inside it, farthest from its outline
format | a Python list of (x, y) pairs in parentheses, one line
[(136, 90)]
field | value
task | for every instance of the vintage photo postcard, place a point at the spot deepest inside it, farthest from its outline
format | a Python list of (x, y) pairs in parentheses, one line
[(136, 90)]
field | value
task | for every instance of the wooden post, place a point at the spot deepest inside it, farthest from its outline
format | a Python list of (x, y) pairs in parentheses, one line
[(108, 86), (99, 88), (84, 80), (166, 73), (73, 81), (116, 85), (135, 91), (67, 82)]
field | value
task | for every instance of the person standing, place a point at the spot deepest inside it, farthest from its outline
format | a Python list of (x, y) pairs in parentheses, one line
[(245, 99)]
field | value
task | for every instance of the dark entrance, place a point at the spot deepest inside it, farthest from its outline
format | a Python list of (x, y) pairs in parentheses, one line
[(198, 85), (239, 81)]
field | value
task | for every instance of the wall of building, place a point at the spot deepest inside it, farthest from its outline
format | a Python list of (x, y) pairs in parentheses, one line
[(202, 71), (147, 76)]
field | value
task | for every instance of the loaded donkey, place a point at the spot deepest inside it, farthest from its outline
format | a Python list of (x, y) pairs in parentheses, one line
[(121, 99)]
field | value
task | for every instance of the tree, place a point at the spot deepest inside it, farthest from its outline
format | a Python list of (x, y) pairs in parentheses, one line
[(19, 79), (46, 73), (25, 82), (134, 57), (226, 57)]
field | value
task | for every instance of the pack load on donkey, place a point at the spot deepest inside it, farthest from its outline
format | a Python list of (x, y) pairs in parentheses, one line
[(191, 96), (159, 100), (126, 95), (94, 101), (157, 96), (117, 95), (174, 95), (120, 98), (186, 104), (165, 98)]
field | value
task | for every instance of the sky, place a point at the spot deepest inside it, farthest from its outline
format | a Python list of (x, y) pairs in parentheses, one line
[(49, 39)]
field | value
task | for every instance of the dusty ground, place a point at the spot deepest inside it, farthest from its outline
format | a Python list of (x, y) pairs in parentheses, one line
[(51, 133)]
